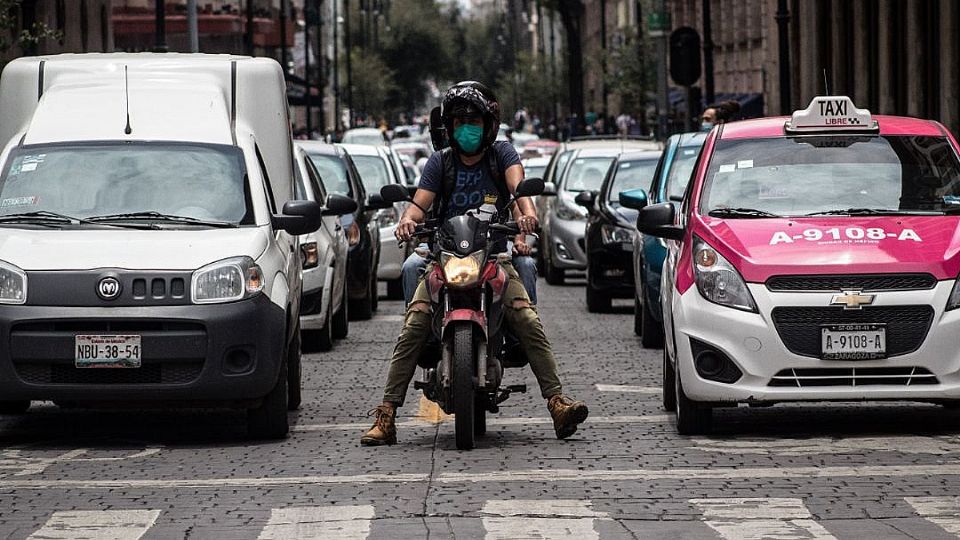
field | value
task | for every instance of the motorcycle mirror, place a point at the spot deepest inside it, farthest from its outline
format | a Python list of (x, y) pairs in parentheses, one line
[(529, 187), (394, 193)]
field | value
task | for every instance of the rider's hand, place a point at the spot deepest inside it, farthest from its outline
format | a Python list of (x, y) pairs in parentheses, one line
[(528, 224), (520, 246), (405, 229)]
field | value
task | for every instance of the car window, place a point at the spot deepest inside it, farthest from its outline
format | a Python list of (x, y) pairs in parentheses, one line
[(802, 175), (681, 169), (299, 191), (631, 175), (319, 193), (562, 160), (373, 172), (333, 173), (205, 182), (534, 171), (586, 173)]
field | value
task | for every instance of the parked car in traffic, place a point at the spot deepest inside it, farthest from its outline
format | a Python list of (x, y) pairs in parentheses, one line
[(339, 175), (377, 167), (372, 136), (611, 228), (673, 174), (323, 304), (150, 235)]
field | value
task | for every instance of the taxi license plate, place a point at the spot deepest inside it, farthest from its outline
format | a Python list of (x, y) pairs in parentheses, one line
[(853, 341), (99, 351)]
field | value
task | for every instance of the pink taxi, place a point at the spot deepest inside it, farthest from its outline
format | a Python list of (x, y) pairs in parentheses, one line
[(814, 258)]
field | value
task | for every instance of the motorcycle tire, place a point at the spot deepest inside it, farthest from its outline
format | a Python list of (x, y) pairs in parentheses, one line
[(464, 391)]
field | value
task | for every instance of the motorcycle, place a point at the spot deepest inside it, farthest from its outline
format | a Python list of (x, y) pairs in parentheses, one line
[(469, 348)]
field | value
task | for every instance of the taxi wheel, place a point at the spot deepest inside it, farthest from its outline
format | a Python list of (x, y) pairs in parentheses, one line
[(395, 289), (341, 319), (668, 388), (269, 420), (18, 406), (637, 316), (692, 417), (651, 330)]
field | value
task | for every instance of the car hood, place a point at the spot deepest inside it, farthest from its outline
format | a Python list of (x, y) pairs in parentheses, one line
[(761, 248), (131, 249)]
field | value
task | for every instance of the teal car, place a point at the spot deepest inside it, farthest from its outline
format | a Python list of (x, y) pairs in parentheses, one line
[(670, 180)]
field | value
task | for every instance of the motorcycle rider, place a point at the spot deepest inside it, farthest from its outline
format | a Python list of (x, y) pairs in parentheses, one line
[(469, 112)]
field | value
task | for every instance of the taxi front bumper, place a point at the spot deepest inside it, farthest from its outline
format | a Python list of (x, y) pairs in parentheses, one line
[(772, 372)]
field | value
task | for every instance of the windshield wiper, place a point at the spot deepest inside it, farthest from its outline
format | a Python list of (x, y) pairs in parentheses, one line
[(868, 212), (749, 213), (53, 219), (158, 216)]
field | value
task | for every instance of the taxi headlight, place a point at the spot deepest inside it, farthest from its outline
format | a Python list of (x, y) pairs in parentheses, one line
[(611, 234), (461, 271), (13, 284), (227, 281), (954, 301), (718, 281)]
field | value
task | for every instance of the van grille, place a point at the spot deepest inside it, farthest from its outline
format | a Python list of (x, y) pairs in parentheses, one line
[(853, 376)]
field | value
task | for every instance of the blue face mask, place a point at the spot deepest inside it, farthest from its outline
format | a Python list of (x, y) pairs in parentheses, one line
[(468, 137), (706, 126)]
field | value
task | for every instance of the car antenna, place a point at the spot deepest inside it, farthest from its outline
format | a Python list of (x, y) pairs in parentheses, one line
[(126, 89), (826, 87)]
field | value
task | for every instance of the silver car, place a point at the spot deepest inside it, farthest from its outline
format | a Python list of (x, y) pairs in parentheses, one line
[(324, 256), (378, 166)]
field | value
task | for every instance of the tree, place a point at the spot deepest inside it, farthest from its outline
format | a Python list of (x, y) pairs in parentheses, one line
[(27, 38), (372, 83), (571, 16)]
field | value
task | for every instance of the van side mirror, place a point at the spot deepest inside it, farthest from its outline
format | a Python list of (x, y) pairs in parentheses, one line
[(633, 198), (338, 205), (377, 202), (588, 200), (549, 189), (529, 187), (658, 220), (299, 217)]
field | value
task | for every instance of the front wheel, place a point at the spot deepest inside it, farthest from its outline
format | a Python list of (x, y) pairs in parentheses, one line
[(269, 420), (341, 319), (693, 418), (597, 301), (463, 387), (651, 331), (294, 372), (668, 388)]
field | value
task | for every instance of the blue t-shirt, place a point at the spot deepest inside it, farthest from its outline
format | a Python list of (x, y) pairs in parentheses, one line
[(475, 185)]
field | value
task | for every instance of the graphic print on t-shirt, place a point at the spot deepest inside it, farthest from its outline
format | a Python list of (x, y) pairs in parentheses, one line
[(473, 189)]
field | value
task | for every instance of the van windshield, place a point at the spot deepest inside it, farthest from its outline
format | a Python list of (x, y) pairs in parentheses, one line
[(797, 176), (196, 181)]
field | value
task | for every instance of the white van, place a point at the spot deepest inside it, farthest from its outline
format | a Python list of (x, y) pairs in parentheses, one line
[(148, 230)]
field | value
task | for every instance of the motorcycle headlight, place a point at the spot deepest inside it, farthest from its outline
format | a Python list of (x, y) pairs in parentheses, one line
[(718, 281), (565, 211), (13, 284), (611, 234), (227, 281), (461, 271)]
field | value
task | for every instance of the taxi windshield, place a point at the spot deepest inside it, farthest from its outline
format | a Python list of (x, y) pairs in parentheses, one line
[(586, 174), (194, 181), (811, 175), (631, 175)]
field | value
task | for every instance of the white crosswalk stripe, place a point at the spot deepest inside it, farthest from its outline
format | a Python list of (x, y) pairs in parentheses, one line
[(97, 524), (944, 511), (526, 519), (761, 518), (319, 522)]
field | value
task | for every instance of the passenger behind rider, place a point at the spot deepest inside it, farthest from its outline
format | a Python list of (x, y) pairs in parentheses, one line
[(470, 113)]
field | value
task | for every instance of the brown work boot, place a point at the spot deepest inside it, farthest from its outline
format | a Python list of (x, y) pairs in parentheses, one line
[(566, 414), (384, 430)]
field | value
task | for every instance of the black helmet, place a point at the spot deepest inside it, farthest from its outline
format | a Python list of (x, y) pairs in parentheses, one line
[(469, 98)]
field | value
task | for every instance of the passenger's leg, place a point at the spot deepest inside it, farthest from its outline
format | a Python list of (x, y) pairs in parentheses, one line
[(410, 274), (527, 270)]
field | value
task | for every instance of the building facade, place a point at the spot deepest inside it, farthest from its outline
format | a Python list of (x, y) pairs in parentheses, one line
[(83, 26)]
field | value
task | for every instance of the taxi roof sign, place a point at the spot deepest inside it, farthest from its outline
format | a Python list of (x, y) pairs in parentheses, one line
[(830, 114)]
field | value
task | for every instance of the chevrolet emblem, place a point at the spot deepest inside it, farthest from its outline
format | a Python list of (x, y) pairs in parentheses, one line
[(852, 300)]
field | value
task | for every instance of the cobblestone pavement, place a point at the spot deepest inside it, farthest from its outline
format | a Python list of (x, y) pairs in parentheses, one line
[(878, 471)]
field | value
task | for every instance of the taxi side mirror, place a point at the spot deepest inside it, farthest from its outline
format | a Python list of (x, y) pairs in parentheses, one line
[(658, 220), (633, 198)]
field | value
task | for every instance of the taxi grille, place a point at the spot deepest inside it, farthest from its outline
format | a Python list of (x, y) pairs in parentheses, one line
[(799, 327), (856, 282), (854, 376)]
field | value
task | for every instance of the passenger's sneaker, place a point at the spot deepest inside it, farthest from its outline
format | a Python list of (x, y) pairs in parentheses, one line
[(566, 414), (384, 430)]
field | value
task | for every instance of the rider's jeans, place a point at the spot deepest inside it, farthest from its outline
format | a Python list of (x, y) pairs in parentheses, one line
[(523, 321), (415, 265)]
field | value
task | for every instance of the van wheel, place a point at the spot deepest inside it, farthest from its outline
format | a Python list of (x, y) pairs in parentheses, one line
[(693, 418), (668, 388), (597, 302), (341, 320), (651, 331), (395, 289), (269, 420), (18, 406), (294, 373)]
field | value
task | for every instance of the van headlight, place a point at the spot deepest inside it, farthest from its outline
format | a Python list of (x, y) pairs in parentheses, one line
[(461, 271), (227, 281), (718, 281), (13, 284), (611, 234)]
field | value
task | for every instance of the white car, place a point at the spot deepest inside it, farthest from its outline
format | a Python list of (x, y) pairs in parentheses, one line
[(370, 136), (323, 310), (378, 167), (150, 234)]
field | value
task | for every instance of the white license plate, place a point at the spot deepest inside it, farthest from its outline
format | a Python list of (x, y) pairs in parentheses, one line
[(107, 351), (853, 341), (627, 246)]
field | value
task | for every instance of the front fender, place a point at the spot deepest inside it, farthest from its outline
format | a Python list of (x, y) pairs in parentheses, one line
[(477, 318)]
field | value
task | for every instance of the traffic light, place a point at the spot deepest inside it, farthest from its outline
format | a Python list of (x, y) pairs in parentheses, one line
[(684, 56)]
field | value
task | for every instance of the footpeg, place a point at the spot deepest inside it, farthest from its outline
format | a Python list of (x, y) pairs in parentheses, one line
[(420, 385), (506, 391)]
